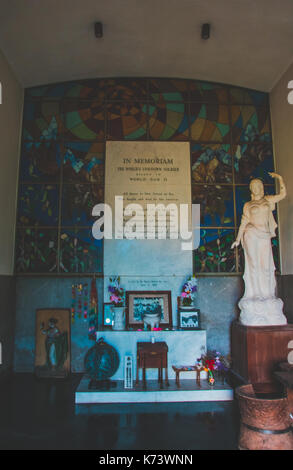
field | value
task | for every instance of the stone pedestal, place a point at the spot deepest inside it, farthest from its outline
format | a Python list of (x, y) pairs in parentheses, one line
[(256, 351)]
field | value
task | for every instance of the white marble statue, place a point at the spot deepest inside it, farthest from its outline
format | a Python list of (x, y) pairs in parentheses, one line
[(259, 306)]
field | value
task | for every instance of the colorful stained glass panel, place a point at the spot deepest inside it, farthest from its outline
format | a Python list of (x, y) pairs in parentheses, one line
[(214, 254), (216, 204), (253, 160), (83, 162), (40, 162), (38, 205), (208, 92), (84, 120), (211, 163), (169, 121), (127, 121), (209, 122), (244, 96), (36, 250), (80, 252), (42, 120), (162, 90), (250, 124), (78, 201), (127, 89), (87, 89)]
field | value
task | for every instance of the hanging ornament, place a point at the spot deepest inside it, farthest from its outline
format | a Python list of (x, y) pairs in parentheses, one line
[(85, 302), (79, 301), (73, 303), (93, 310)]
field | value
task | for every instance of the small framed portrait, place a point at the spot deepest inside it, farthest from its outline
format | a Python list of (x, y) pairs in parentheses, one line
[(53, 348), (189, 319), (147, 303), (107, 315)]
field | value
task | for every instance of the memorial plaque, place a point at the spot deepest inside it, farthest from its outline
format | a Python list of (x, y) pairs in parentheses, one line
[(145, 173)]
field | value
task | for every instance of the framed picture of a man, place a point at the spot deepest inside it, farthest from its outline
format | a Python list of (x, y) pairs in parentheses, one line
[(140, 304)]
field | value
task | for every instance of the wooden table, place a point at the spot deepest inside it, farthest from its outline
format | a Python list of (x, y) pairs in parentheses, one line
[(152, 356), (178, 369), (286, 378)]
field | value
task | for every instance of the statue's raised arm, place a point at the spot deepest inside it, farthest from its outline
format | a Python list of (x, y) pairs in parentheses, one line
[(259, 305), (283, 193)]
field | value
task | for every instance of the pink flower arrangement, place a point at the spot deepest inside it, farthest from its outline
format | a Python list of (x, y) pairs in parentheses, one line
[(117, 292), (188, 290)]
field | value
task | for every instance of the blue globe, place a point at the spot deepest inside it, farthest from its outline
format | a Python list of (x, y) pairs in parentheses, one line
[(101, 361)]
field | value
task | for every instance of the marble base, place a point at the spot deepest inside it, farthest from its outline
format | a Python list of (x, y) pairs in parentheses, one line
[(189, 392), (262, 312)]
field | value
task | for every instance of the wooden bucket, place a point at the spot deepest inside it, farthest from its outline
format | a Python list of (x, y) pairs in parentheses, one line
[(265, 420)]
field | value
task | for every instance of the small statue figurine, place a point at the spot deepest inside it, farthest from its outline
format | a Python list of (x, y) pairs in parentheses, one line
[(259, 306)]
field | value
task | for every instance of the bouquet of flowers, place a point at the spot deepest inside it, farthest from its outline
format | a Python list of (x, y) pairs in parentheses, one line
[(213, 361), (117, 293), (188, 290)]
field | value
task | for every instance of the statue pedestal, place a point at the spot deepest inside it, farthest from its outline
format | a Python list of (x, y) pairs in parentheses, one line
[(256, 350)]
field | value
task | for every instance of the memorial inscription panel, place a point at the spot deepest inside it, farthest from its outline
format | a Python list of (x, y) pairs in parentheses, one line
[(146, 173)]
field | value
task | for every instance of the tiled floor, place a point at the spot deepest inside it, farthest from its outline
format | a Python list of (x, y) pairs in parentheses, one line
[(42, 415)]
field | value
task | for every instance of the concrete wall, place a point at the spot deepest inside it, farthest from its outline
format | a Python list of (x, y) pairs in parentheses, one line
[(217, 299), (282, 128), (10, 127), (45, 292)]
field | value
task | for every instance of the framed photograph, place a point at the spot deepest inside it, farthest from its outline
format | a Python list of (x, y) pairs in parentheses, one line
[(189, 319), (140, 302), (107, 315), (52, 353)]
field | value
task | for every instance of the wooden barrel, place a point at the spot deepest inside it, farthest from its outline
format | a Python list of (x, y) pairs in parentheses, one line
[(265, 422)]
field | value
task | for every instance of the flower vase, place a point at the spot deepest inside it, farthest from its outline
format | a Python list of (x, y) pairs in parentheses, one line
[(118, 318), (187, 308), (211, 379)]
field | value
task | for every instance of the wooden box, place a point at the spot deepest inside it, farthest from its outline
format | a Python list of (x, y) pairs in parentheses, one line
[(257, 350)]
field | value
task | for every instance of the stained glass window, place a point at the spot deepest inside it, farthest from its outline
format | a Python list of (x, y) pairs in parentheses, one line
[(216, 204), (80, 252), (127, 120), (211, 163), (168, 120), (38, 205), (62, 164), (36, 250), (83, 162), (214, 254), (40, 162), (209, 122)]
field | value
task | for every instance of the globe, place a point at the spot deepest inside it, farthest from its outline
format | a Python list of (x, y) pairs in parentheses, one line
[(101, 361)]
